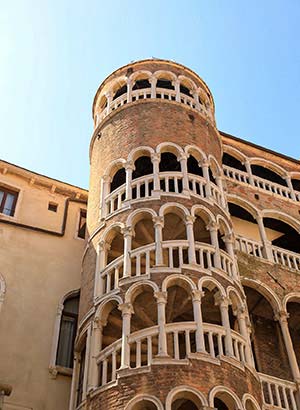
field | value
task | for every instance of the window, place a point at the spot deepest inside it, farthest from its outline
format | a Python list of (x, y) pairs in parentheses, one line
[(8, 200), (67, 333), (82, 224), (52, 207)]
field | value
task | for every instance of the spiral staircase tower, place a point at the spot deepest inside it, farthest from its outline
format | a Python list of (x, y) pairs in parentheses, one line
[(163, 317)]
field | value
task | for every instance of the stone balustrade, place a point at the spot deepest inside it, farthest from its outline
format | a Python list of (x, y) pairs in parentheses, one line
[(277, 393)]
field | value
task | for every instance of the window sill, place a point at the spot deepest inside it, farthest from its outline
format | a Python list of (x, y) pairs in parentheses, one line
[(55, 370)]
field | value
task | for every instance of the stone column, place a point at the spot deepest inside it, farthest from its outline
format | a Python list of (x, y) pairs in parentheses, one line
[(86, 363), (185, 180), (161, 299), (223, 303), (127, 311), (127, 234), (103, 248), (105, 188), (219, 182), (213, 229), (229, 243), (249, 171), (75, 372), (282, 317), (129, 89), (189, 223), (153, 81), (205, 170), (196, 98), (200, 343), (96, 348), (129, 167), (241, 314), (176, 85), (155, 158), (290, 186), (158, 222), (109, 97), (266, 243)]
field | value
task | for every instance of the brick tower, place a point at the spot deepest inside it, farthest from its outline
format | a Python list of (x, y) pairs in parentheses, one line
[(164, 322)]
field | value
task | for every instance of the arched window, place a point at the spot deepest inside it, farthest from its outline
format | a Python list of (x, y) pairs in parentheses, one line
[(233, 162), (118, 179), (193, 166), (67, 332)]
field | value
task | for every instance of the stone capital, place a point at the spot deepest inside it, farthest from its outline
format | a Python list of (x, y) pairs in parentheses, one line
[(281, 316), (161, 297), (197, 295), (158, 221), (221, 300), (106, 178), (126, 309), (189, 219), (103, 246), (213, 226), (182, 157), (129, 165), (155, 157), (127, 231)]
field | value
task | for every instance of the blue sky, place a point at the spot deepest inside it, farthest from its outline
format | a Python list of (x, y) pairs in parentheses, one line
[(55, 53)]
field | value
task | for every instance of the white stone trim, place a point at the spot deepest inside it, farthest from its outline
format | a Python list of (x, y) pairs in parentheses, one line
[(185, 391), (2, 290), (224, 389), (144, 397)]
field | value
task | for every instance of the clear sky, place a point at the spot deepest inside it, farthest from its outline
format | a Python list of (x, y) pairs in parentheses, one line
[(55, 53)]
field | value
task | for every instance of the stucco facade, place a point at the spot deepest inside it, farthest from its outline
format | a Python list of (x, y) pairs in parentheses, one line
[(189, 274)]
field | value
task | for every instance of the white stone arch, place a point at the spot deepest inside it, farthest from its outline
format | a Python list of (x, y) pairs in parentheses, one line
[(234, 152), (208, 281), (103, 311), (224, 389), (214, 166), (117, 83), (243, 203), (221, 220), (140, 74), (139, 152), (247, 397), (114, 166), (137, 215), (186, 80), (144, 397), (269, 165), (175, 208), (187, 392), (201, 209), (176, 279), (2, 290), (282, 216), (137, 288), (197, 153), (160, 74), (290, 297), (231, 290), (109, 229), (294, 175), (169, 147), (267, 292)]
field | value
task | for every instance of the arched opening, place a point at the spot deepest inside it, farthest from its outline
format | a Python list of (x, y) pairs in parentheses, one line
[(179, 308), (249, 405), (211, 176), (122, 90), (233, 309), (184, 404), (118, 179), (293, 309), (201, 233), (185, 90), (268, 174), (282, 235), (186, 400), (144, 316), (142, 83), (112, 319), (211, 314), (223, 401), (111, 332), (267, 342), (233, 162), (115, 242), (143, 235), (194, 167), (143, 166), (245, 226), (144, 404), (296, 184), (165, 84), (174, 230), (169, 162)]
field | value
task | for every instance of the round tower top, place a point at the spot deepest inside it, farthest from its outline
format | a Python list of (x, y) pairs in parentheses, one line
[(168, 74)]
